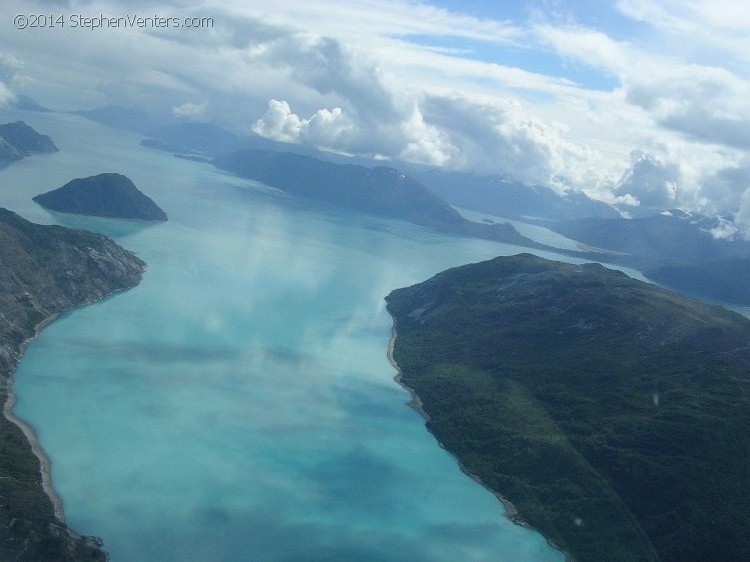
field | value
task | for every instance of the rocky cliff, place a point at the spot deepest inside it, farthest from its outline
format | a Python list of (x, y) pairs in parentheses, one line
[(44, 270)]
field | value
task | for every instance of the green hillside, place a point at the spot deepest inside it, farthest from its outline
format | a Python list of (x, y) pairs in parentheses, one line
[(615, 415)]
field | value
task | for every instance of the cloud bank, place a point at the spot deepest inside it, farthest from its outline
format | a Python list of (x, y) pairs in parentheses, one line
[(641, 103)]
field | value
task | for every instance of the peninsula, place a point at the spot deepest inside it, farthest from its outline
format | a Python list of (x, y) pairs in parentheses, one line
[(18, 140), (104, 195), (615, 415), (381, 191), (44, 270)]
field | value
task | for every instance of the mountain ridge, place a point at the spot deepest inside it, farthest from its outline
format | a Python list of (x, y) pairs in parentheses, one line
[(381, 190)]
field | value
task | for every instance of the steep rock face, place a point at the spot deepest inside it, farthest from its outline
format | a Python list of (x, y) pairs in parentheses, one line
[(18, 140), (614, 414), (104, 195), (8, 152), (44, 270)]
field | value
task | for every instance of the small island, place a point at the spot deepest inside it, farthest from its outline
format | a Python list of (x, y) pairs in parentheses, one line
[(104, 195), (613, 414), (44, 270)]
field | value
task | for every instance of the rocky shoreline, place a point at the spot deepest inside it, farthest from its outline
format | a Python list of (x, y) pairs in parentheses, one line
[(28, 431), (44, 271)]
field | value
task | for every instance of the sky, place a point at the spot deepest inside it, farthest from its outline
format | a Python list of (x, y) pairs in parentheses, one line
[(641, 103)]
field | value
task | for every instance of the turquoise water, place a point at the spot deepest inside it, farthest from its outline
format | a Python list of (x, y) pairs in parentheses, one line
[(238, 404)]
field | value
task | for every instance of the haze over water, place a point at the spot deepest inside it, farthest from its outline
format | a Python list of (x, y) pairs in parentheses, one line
[(238, 404)]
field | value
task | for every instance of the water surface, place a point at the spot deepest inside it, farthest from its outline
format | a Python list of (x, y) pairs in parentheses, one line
[(238, 404)]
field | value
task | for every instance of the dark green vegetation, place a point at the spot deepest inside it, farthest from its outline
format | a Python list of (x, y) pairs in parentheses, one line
[(44, 270), (18, 140), (378, 191), (103, 195), (614, 414)]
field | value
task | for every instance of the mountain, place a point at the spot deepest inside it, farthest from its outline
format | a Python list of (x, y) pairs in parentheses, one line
[(671, 237), (378, 191), (725, 280), (104, 195), (674, 247), (205, 138), (615, 415), (504, 197), (44, 270), (18, 140)]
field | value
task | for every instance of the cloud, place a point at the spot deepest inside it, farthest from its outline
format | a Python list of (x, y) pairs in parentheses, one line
[(454, 131), (6, 96), (491, 136), (11, 77), (743, 215), (527, 94), (709, 105), (649, 182), (425, 143), (725, 194), (189, 110), (712, 30), (589, 46), (329, 129)]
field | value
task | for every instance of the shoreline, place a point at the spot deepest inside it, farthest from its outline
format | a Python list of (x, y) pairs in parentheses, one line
[(511, 511), (416, 401), (45, 465)]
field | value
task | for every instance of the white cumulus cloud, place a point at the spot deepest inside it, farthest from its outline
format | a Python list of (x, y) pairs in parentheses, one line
[(330, 129)]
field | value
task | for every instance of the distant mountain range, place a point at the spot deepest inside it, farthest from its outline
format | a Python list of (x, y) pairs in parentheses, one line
[(675, 248), (44, 270), (104, 195), (673, 237), (18, 140), (507, 198), (615, 415), (381, 191), (672, 240), (727, 280)]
